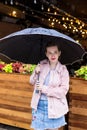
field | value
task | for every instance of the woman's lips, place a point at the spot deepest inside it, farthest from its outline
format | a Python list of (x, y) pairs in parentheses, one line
[(53, 58)]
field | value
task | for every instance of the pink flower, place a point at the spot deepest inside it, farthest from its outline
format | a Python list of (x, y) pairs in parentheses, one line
[(1, 66)]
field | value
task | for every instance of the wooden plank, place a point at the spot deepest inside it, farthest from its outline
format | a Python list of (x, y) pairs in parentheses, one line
[(78, 86), (79, 90), (14, 105), (15, 98), (78, 124), (15, 113), (9, 85), (62, 128), (78, 117), (15, 76), (19, 119), (81, 111), (15, 123), (77, 96), (75, 128), (15, 92), (79, 103)]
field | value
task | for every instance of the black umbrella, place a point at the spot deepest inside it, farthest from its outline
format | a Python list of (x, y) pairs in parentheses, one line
[(28, 46)]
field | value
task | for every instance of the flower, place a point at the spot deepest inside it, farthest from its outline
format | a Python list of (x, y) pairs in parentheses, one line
[(82, 72), (16, 67), (8, 68), (1, 66)]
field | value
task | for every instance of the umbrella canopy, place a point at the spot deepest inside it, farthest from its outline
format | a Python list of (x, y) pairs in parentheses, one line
[(29, 44)]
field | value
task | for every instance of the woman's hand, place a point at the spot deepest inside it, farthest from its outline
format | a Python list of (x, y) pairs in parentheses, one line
[(38, 86), (37, 70)]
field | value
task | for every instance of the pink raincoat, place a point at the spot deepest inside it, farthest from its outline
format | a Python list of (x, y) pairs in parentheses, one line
[(56, 90)]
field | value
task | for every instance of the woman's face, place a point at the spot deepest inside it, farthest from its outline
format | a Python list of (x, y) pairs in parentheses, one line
[(53, 54)]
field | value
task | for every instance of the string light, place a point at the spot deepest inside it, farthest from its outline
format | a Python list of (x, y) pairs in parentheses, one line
[(55, 15), (56, 20), (13, 13), (49, 19), (53, 20), (63, 18), (6, 2), (77, 41), (71, 22), (52, 24), (11, 2), (42, 7), (35, 2), (48, 10), (67, 18), (59, 22)]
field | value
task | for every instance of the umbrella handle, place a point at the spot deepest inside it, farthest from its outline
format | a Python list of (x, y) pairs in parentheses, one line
[(38, 71), (38, 75)]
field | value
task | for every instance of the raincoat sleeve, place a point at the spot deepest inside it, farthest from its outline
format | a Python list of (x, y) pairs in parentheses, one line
[(61, 90), (33, 78)]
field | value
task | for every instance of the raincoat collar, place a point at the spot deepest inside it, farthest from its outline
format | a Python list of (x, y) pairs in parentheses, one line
[(57, 68)]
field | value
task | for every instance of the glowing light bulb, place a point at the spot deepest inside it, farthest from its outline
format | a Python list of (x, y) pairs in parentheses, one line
[(35, 1), (48, 10), (11, 2), (42, 7)]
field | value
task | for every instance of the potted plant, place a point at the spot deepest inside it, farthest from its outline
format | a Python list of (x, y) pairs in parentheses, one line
[(15, 94)]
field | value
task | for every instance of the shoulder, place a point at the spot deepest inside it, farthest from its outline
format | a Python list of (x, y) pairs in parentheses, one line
[(61, 67)]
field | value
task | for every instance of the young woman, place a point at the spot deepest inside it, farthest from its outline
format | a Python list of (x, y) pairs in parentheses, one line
[(49, 103)]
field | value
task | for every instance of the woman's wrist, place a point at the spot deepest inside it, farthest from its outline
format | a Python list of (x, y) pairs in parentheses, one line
[(36, 72)]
